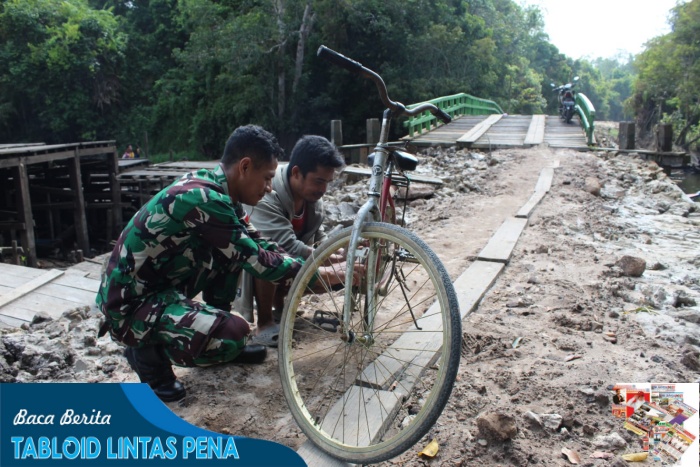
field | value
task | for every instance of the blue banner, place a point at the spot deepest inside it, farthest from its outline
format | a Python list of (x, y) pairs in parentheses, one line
[(115, 424)]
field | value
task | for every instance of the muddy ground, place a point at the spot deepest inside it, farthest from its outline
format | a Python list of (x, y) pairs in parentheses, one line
[(582, 320)]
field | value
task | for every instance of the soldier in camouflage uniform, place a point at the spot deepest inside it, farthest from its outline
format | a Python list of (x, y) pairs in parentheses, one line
[(193, 237)]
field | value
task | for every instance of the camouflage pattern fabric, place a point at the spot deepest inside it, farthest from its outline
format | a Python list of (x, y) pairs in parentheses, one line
[(189, 238)]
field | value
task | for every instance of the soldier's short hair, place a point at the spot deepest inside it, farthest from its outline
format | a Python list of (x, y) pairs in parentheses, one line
[(254, 142)]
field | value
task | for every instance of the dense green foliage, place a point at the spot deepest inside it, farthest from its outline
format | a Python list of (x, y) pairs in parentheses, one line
[(179, 75), (669, 77), (61, 65)]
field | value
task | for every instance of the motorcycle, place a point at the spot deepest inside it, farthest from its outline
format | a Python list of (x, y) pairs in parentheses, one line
[(567, 99)]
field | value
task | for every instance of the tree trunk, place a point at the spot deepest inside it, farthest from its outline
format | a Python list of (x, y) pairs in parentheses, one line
[(281, 74), (304, 30), (680, 140)]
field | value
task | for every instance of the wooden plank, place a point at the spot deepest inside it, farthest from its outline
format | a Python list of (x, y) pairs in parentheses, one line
[(29, 286), (19, 145), (37, 148), (11, 322), (79, 217), (531, 203), (535, 133), (508, 132), (472, 284), (149, 174), (11, 157), (26, 307), (16, 281), (129, 164), (24, 208), (475, 133), (75, 295), (500, 246), (410, 354), (189, 165), (11, 270), (91, 268), (116, 192), (78, 281), (314, 457), (544, 182), (562, 135), (360, 424)]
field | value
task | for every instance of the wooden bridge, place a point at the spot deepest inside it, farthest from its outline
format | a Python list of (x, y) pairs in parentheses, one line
[(504, 131)]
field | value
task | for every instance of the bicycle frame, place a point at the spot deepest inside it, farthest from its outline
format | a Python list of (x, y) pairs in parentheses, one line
[(379, 185), (370, 211), (349, 388)]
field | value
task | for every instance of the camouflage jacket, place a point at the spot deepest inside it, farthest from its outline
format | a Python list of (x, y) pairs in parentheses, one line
[(189, 238)]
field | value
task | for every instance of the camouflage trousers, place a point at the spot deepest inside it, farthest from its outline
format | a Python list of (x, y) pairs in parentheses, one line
[(193, 333)]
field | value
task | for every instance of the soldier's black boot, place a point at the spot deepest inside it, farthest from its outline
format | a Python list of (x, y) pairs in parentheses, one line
[(154, 368)]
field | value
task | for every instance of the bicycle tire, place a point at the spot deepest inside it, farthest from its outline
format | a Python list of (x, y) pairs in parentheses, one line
[(400, 379)]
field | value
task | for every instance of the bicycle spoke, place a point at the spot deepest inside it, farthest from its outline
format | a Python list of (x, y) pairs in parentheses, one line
[(357, 390)]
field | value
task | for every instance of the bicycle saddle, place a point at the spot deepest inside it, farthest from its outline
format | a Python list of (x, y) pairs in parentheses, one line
[(403, 160)]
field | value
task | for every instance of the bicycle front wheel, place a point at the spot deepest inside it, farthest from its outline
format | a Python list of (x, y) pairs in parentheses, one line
[(367, 390)]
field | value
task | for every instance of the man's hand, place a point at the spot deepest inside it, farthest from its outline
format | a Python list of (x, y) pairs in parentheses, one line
[(335, 273), (341, 255)]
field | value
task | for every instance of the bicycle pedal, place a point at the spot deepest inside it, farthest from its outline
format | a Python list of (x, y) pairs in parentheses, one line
[(326, 321)]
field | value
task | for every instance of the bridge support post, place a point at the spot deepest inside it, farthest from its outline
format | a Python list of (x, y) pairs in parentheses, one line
[(626, 135), (664, 137), (372, 130), (337, 132)]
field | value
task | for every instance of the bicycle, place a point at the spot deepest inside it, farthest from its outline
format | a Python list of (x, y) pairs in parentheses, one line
[(374, 363)]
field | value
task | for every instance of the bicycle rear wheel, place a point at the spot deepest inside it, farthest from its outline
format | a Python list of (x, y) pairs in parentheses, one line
[(366, 395)]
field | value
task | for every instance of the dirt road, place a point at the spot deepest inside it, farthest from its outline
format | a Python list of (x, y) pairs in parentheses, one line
[(580, 322)]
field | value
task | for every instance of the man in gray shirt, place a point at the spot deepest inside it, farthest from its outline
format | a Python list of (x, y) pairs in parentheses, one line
[(292, 216)]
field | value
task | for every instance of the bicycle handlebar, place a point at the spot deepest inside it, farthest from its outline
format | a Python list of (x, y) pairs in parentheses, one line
[(340, 60), (396, 107)]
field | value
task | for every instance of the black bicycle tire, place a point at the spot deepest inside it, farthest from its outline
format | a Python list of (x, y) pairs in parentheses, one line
[(448, 372)]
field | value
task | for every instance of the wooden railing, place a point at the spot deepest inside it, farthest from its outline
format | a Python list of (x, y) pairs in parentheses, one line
[(586, 113), (455, 105)]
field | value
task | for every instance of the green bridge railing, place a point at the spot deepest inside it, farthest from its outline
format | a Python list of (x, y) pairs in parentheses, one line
[(457, 104), (586, 113)]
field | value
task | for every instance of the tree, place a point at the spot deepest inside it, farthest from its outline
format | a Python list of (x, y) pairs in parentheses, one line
[(243, 62), (59, 70), (669, 77)]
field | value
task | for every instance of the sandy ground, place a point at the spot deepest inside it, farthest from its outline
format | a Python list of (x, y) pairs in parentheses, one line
[(581, 322)]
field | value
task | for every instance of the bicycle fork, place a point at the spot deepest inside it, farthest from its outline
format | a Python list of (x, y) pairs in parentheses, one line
[(368, 212)]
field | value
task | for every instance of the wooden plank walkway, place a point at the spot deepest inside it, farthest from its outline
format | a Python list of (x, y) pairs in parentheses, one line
[(504, 131), (25, 291), (508, 132), (535, 133), (447, 135), (473, 135), (544, 183), (564, 135)]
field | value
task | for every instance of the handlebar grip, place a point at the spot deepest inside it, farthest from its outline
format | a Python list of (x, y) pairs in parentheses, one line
[(442, 115), (339, 59)]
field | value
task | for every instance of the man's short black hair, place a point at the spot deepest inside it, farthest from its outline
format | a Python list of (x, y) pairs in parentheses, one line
[(254, 142), (312, 151)]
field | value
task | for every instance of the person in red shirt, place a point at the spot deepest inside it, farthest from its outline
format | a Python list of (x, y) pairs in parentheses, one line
[(292, 216)]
